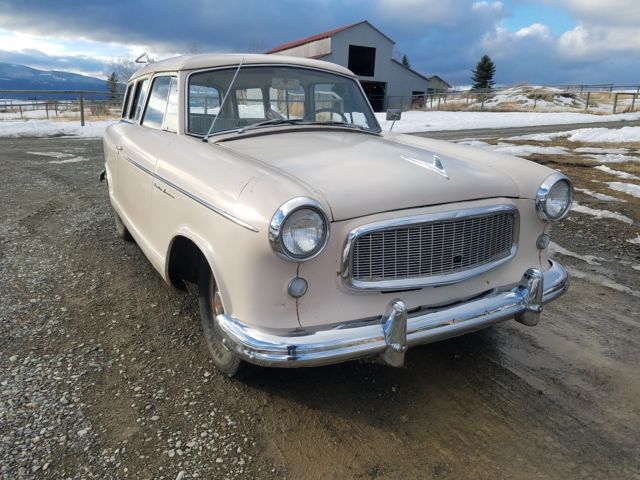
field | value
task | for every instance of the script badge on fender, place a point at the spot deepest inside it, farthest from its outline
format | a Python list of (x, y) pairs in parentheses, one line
[(436, 166)]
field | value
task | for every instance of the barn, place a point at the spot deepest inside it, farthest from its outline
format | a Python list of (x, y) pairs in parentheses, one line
[(368, 53)]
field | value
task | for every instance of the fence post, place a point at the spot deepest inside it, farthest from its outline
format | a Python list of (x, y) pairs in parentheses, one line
[(615, 102), (82, 110), (439, 98), (483, 99), (46, 109), (535, 102), (20, 111), (633, 102), (586, 107)]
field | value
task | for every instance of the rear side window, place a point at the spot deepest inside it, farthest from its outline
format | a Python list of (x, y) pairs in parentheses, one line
[(154, 113), (127, 97), (162, 108), (138, 99)]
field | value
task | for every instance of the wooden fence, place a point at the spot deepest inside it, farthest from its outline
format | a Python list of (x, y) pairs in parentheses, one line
[(23, 101)]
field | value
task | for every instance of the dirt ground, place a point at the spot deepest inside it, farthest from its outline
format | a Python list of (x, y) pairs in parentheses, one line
[(104, 372)]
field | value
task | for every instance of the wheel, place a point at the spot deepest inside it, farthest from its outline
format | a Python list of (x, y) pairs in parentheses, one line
[(211, 305), (121, 229)]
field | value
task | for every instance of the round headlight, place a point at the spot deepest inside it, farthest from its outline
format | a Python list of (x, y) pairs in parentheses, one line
[(299, 230), (554, 198)]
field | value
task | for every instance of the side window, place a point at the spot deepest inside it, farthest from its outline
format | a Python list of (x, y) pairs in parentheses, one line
[(125, 104), (204, 104), (171, 115), (250, 103), (138, 99), (154, 113)]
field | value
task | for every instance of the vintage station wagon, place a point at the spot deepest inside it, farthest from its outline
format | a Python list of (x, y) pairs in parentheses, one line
[(314, 236)]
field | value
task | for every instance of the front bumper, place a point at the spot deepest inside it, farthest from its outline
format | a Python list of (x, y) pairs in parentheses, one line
[(391, 335)]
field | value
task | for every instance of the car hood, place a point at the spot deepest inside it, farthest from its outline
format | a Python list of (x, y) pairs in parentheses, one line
[(360, 174)]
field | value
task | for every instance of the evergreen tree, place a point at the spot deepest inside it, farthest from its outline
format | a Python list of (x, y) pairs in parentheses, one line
[(405, 61), (483, 74), (112, 86)]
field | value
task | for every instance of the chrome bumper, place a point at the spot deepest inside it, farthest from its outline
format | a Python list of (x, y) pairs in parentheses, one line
[(395, 331)]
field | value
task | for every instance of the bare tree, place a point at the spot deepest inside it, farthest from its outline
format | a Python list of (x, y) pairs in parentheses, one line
[(123, 68)]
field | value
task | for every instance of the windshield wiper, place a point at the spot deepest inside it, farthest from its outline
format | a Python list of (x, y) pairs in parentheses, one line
[(336, 123), (275, 121)]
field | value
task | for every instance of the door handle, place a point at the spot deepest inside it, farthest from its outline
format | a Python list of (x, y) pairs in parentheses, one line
[(118, 147)]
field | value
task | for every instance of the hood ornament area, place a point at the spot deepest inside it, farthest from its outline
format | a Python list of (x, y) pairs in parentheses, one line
[(436, 166)]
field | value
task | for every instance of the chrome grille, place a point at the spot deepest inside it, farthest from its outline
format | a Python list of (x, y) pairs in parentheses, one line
[(433, 248)]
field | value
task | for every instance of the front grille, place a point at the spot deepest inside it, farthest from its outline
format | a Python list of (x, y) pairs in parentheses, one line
[(433, 248)]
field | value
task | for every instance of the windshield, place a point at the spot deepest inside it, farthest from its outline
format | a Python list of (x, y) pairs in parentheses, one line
[(274, 95)]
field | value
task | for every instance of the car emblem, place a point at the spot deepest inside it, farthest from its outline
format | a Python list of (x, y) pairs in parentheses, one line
[(436, 166)]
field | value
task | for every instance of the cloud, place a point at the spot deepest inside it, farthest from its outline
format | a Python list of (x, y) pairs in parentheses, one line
[(440, 37), (605, 12)]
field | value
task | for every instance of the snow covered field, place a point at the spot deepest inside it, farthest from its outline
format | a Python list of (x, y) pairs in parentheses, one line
[(414, 121), (411, 122)]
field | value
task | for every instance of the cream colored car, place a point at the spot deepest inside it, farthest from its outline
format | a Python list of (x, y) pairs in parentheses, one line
[(314, 236)]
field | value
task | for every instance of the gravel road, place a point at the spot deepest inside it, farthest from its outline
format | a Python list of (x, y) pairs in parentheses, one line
[(104, 373), (512, 132)]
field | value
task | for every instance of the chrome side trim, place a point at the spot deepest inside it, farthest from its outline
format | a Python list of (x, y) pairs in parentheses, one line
[(193, 197), (436, 280), (392, 333)]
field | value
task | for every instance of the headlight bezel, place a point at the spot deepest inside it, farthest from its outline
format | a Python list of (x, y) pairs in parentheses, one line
[(279, 219), (542, 197)]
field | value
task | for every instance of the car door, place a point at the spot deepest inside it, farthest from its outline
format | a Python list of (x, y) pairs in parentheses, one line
[(147, 144), (133, 177)]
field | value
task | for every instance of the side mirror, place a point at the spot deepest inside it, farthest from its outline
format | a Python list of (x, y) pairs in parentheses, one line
[(394, 114)]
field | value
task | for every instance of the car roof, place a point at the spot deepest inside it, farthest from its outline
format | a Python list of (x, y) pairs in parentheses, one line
[(197, 62)]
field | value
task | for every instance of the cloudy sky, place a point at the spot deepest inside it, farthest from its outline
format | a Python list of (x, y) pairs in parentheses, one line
[(534, 41)]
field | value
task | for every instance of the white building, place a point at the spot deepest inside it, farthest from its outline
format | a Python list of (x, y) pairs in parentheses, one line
[(368, 53)]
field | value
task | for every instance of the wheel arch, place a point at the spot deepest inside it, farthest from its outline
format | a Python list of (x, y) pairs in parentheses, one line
[(186, 251)]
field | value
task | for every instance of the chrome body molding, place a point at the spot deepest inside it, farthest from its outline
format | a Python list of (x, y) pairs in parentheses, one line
[(396, 330), (193, 197), (278, 219), (434, 280), (543, 194)]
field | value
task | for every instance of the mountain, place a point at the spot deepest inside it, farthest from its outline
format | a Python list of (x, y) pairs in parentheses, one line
[(21, 77)]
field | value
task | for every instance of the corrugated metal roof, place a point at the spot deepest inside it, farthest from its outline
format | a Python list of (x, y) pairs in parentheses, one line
[(320, 36)]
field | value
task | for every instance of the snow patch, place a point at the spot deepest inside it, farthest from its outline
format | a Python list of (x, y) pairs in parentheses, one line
[(600, 213), (617, 173), (602, 280), (46, 128), (70, 160), (613, 158), (628, 188), (635, 241), (599, 196), (51, 154), (554, 248), (589, 135)]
